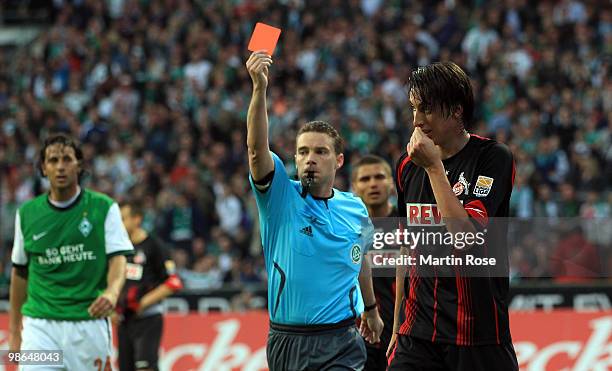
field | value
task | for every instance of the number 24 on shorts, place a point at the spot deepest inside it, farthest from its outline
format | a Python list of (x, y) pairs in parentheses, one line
[(103, 367)]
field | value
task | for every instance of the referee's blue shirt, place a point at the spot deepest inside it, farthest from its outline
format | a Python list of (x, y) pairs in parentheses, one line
[(313, 250)]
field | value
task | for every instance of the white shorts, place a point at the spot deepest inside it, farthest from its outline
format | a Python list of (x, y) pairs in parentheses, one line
[(86, 345)]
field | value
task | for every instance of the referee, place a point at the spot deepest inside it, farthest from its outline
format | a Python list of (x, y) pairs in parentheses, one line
[(314, 240)]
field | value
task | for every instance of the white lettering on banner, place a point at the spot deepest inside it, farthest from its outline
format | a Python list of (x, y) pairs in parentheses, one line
[(542, 358), (524, 351), (531, 302), (258, 361), (591, 302), (223, 346), (223, 354), (596, 346), (170, 357)]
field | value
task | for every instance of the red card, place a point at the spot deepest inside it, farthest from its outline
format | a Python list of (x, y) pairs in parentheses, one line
[(264, 37)]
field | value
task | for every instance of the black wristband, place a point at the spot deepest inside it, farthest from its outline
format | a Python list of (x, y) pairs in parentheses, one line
[(369, 307)]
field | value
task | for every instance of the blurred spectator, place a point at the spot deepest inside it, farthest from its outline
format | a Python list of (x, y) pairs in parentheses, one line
[(568, 205), (228, 208), (545, 206), (246, 300), (183, 222), (521, 200), (574, 258), (248, 273), (595, 214), (204, 275)]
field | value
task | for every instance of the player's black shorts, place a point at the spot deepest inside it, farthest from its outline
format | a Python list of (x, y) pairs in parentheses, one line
[(418, 354), (377, 357), (139, 340), (306, 349)]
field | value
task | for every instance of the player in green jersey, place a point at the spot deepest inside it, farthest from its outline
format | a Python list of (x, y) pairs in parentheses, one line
[(68, 264)]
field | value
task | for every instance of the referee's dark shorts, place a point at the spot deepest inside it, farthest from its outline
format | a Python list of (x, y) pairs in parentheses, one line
[(337, 346)]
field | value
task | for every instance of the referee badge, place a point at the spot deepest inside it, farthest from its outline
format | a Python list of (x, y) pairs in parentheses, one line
[(356, 254), (483, 186)]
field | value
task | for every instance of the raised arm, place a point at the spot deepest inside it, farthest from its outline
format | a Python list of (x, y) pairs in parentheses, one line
[(260, 159)]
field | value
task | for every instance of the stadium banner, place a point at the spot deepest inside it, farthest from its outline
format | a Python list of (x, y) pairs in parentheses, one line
[(556, 340)]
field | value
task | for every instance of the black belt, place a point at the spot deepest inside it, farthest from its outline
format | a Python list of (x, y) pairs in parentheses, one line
[(304, 329)]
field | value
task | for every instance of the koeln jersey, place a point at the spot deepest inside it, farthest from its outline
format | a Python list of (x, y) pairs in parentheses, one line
[(66, 251), (313, 250), (459, 310), (149, 267)]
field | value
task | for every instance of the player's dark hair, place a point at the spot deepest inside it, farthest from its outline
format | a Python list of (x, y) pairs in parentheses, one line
[(64, 140), (325, 128), (443, 85), (370, 160), (136, 207)]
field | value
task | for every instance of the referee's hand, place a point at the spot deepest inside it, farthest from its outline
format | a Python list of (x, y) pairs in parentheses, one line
[(257, 65), (371, 326)]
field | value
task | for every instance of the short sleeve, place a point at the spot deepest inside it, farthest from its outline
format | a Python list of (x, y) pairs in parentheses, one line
[(19, 256), (115, 235), (492, 183), (367, 235), (163, 265), (278, 191)]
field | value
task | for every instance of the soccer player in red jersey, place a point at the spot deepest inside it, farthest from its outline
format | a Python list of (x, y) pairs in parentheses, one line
[(460, 182)]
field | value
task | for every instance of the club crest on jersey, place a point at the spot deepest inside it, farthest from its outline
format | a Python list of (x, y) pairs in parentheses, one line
[(462, 186), (483, 186), (140, 258), (85, 227), (356, 254)]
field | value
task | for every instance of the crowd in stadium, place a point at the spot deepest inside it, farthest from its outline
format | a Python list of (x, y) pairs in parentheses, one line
[(157, 92)]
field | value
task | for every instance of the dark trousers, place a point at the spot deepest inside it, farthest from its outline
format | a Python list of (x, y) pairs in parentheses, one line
[(417, 354)]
